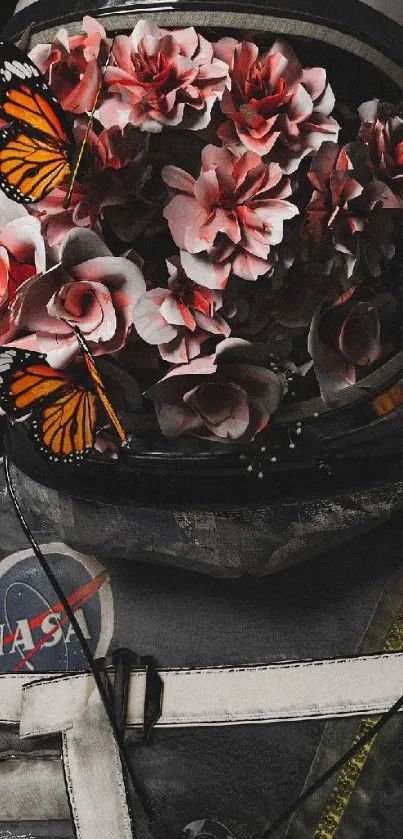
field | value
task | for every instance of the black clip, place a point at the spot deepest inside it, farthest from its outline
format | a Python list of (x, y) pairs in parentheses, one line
[(153, 698), (123, 660)]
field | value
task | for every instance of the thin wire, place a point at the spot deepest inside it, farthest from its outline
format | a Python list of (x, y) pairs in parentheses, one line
[(271, 829), (66, 202), (137, 785)]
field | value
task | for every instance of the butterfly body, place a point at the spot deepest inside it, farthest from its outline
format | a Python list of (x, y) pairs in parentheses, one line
[(37, 145)]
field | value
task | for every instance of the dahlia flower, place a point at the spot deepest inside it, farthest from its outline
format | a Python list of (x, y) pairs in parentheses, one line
[(350, 205), (382, 130), (179, 318), (162, 78), (117, 173), (230, 217), (274, 105)]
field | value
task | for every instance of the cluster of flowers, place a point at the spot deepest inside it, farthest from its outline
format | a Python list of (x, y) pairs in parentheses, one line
[(200, 281)]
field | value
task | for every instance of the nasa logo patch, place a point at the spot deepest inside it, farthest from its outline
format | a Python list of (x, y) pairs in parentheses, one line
[(35, 633)]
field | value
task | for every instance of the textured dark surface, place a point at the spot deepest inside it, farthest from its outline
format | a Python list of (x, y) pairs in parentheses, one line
[(244, 775), (222, 541)]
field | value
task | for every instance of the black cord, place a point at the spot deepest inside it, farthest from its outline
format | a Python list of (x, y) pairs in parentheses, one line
[(155, 822), (271, 829)]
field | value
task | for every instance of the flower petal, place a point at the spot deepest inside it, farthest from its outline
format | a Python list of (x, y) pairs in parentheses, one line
[(201, 270)]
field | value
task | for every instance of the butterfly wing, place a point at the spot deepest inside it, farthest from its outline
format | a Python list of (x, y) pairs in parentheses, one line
[(37, 145), (29, 166), (65, 430), (27, 381), (63, 413)]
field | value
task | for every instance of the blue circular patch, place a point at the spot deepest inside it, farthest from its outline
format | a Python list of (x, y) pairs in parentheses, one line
[(35, 633)]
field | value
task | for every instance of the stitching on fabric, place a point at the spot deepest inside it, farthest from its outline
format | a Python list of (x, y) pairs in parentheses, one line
[(353, 710), (69, 784), (57, 680), (276, 666), (52, 679), (122, 791), (337, 711), (218, 672)]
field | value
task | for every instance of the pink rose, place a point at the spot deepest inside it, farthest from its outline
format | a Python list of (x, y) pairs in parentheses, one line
[(222, 397), (230, 217), (274, 105), (91, 289), (162, 78), (73, 65), (179, 318), (22, 255), (345, 336)]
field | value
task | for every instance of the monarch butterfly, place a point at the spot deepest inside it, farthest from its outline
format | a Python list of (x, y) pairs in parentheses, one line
[(37, 146), (62, 407)]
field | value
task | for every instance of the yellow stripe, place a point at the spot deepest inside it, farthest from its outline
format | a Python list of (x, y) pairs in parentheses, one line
[(349, 775)]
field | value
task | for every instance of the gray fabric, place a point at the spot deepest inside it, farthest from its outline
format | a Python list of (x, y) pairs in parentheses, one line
[(36, 830), (264, 538), (317, 610), (241, 776)]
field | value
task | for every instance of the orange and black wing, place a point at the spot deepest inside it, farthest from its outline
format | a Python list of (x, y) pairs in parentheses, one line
[(62, 413), (65, 430), (27, 382), (29, 167), (37, 145)]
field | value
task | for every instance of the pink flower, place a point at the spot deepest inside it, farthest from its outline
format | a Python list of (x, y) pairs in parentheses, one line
[(73, 65), (22, 255), (91, 289), (179, 318), (274, 105), (118, 172), (346, 336), (349, 205), (382, 130), (222, 397), (230, 217), (309, 282), (162, 78)]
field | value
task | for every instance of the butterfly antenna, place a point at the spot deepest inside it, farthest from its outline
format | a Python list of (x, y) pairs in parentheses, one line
[(137, 784), (79, 157), (100, 388)]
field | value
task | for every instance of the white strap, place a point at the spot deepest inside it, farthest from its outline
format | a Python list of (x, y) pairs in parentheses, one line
[(94, 777), (217, 696), (69, 703), (91, 759)]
